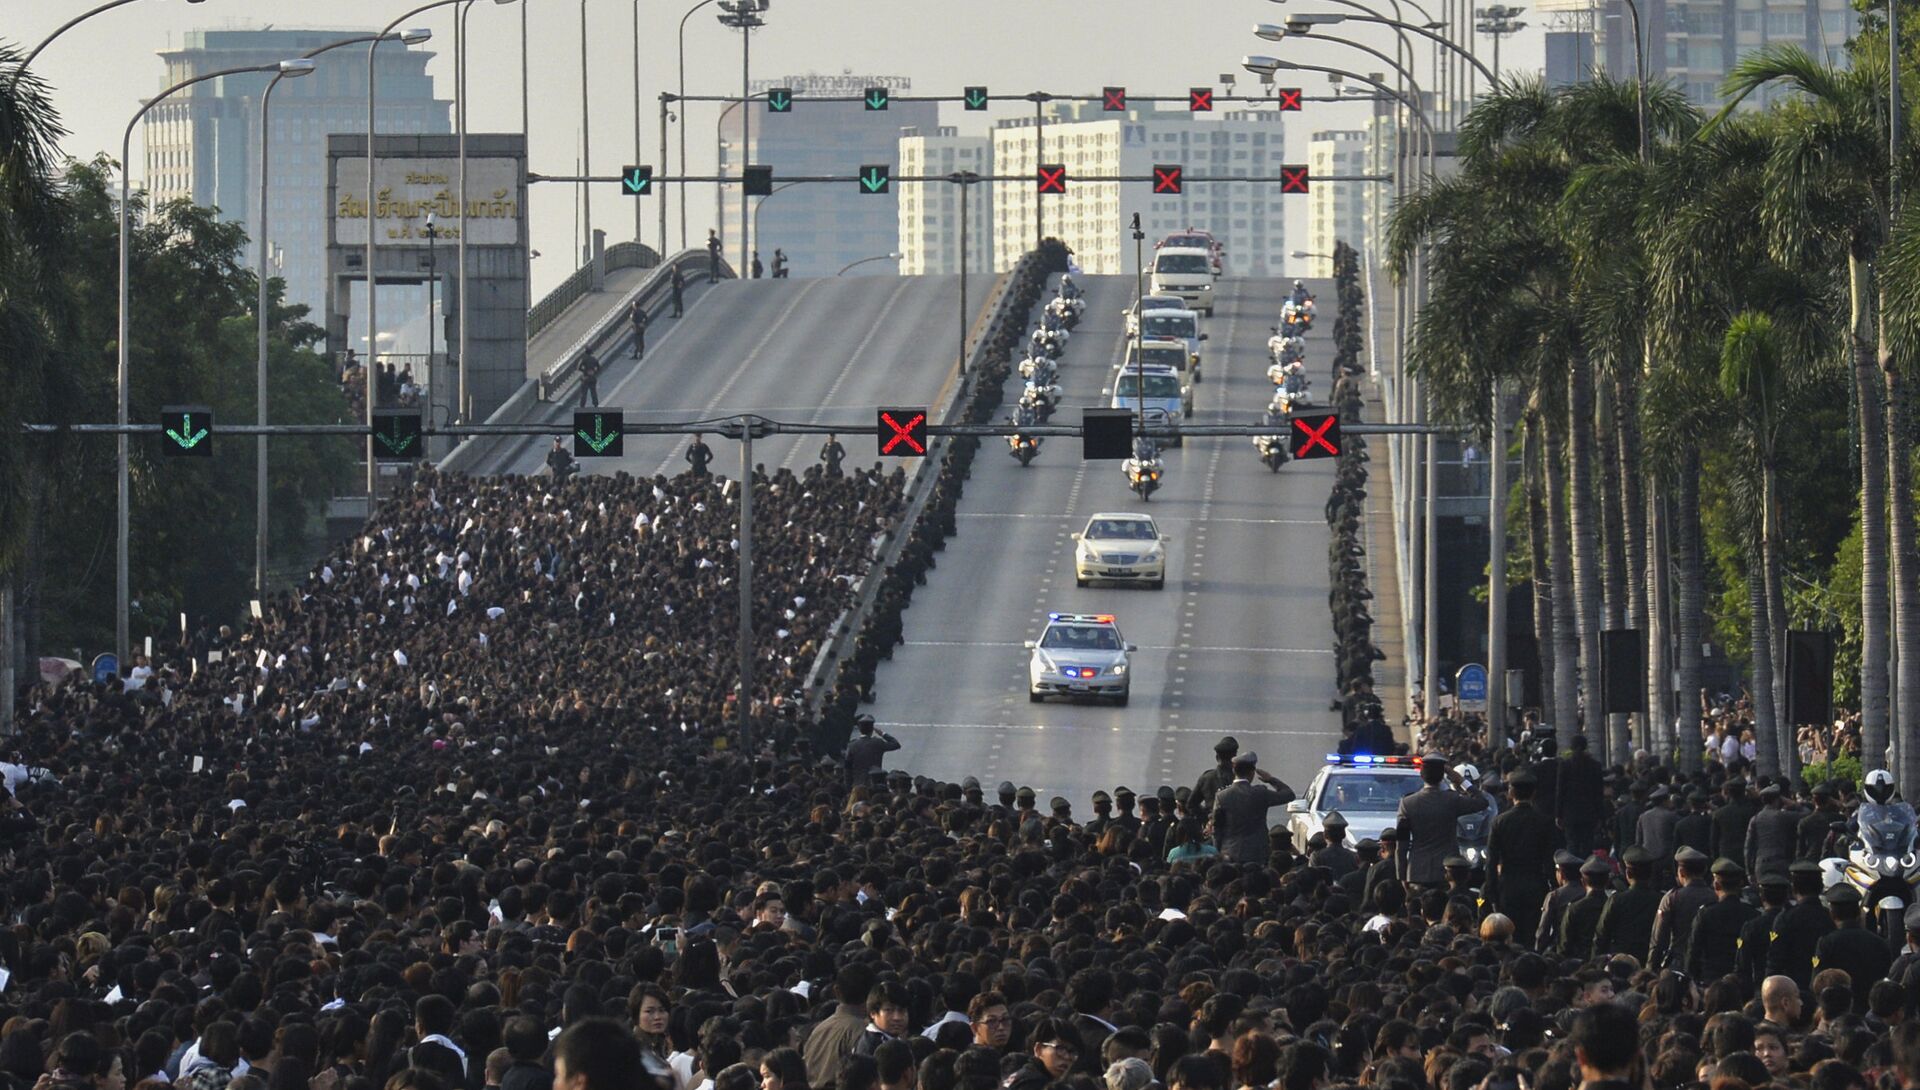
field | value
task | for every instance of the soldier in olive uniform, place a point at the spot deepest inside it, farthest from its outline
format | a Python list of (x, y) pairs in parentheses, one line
[(1714, 946), (1750, 963), (1123, 799), (1566, 866), (1626, 924), (1102, 814), (1673, 924), (1366, 854), (1863, 954), (1582, 919), (1791, 943), (1695, 828)]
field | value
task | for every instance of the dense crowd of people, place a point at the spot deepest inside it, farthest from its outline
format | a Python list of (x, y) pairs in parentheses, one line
[(463, 813)]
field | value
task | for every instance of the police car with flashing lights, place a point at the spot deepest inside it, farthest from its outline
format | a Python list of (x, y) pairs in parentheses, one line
[(1080, 655), (1365, 789)]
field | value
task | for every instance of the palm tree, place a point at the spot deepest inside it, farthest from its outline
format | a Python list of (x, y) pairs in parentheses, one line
[(1827, 187), (32, 220)]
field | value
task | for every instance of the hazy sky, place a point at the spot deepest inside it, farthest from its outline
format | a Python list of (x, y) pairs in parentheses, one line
[(101, 69)]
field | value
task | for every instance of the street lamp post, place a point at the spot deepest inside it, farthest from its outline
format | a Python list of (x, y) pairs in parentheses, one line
[(1497, 22), (433, 280), (260, 515), (586, 146), (762, 203), (122, 626), (373, 244), (744, 15), (27, 61), (1304, 23)]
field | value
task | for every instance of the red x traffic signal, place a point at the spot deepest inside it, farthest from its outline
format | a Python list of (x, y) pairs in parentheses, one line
[(1316, 436), (1113, 99), (1200, 100), (1293, 179), (1289, 98), (1052, 178), (1166, 179), (903, 432)]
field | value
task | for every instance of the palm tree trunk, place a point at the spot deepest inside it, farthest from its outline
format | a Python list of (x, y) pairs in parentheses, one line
[(1626, 419), (1874, 592), (1584, 522), (1690, 596), (1765, 727), (1533, 454), (1614, 587), (1566, 627), (1776, 618), (1659, 717), (1906, 567)]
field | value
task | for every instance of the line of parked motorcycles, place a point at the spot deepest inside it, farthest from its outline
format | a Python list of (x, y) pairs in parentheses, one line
[(1287, 351), (1040, 396)]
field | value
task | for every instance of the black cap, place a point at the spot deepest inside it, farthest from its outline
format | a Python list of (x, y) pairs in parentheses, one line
[(1522, 777), (1729, 868), (1390, 833), (1164, 794), (1804, 866), (1122, 794), (1595, 867), (1226, 747), (1825, 789), (1059, 805), (1334, 820), (1775, 879), (1842, 894), (1006, 787), (1025, 794), (971, 783), (1101, 797), (1636, 856), (1689, 854), (1771, 791)]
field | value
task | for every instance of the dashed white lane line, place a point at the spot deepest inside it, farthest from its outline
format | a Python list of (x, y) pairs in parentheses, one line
[(1183, 649), (1143, 731)]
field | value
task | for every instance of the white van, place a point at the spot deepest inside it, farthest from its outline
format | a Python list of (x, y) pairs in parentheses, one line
[(1187, 273)]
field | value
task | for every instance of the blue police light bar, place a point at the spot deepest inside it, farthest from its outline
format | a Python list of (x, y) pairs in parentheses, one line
[(1355, 759)]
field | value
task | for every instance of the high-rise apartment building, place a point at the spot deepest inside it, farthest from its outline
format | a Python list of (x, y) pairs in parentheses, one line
[(203, 143), (1336, 211), (930, 212), (820, 226), (1691, 44), (1092, 217)]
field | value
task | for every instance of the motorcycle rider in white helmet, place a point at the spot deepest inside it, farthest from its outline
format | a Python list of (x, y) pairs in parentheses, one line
[(1473, 830), (1885, 824)]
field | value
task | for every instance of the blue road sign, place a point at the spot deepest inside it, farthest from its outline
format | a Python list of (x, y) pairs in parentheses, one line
[(1470, 686), (105, 668)]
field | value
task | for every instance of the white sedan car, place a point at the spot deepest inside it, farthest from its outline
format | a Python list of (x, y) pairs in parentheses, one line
[(1080, 655), (1364, 788), (1120, 547)]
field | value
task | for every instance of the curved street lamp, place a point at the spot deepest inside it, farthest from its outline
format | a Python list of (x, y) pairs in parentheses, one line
[(1304, 23), (121, 625), (864, 260), (27, 61)]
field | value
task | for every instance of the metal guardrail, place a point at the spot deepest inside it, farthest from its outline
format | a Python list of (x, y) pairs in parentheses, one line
[(650, 294), (826, 664), (620, 255)]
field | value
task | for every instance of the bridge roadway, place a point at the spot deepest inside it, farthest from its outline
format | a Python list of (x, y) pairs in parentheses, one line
[(808, 350), (1239, 642)]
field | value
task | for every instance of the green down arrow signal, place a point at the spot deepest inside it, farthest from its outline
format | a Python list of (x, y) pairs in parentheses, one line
[(779, 101), (637, 181), (399, 441), (873, 179), (186, 436), (876, 100), (601, 438), (976, 97)]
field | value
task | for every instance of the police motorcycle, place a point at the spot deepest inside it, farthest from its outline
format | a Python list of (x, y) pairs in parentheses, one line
[(1040, 370), (1474, 830), (1067, 308), (1047, 342), (1070, 290), (1040, 401), (1881, 858), (1143, 470), (1283, 349), (1299, 293), (1273, 448), (1023, 448)]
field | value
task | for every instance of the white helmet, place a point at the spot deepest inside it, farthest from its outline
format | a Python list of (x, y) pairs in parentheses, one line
[(1879, 785), (1469, 774)]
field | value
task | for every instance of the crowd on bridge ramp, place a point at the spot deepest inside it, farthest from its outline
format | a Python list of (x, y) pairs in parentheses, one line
[(387, 838)]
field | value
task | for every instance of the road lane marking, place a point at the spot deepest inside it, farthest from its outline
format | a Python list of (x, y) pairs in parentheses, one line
[(1144, 647), (1157, 516), (1255, 732)]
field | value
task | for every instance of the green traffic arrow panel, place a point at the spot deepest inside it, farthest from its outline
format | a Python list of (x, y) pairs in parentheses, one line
[(876, 98), (636, 181), (599, 434), (186, 431), (875, 178), (976, 98), (780, 100), (397, 435)]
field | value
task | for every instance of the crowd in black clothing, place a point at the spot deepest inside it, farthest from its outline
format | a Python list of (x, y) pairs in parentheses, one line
[(458, 815), (1354, 651)]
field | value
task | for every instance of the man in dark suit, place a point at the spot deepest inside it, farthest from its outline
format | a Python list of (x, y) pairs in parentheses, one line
[(1429, 822), (1519, 854), (1240, 811), (866, 752), (1774, 833), (1581, 798), (1730, 822)]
